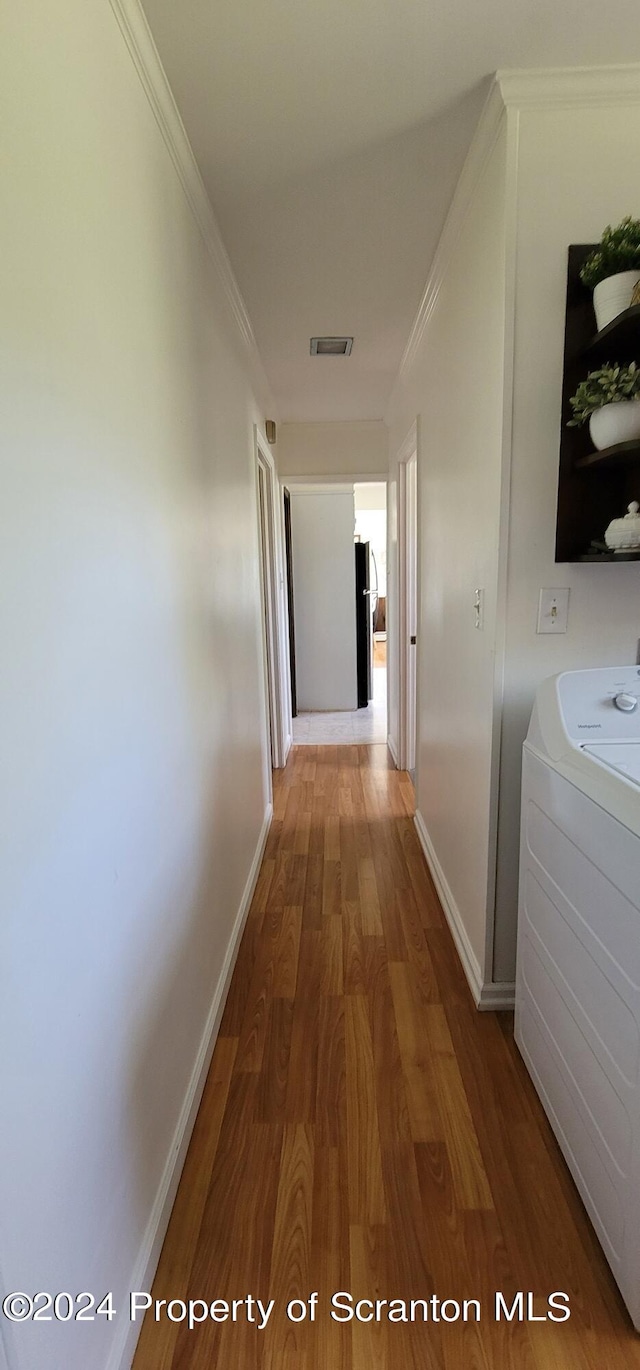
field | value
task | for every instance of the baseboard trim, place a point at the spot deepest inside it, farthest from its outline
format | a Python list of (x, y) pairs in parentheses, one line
[(470, 964), (497, 994), (486, 994), (392, 745), (124, 1345)]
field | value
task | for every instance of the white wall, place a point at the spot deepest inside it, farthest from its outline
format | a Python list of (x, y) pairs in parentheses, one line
[(322, 526), (324, 451), (370, 495), (493, 314), (453, 382), (132, 703), (574, 175)]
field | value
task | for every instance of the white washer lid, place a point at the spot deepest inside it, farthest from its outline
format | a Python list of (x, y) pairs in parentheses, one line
[(619, 756)]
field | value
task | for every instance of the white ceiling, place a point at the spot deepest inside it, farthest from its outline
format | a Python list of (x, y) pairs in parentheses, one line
[(330, 136)]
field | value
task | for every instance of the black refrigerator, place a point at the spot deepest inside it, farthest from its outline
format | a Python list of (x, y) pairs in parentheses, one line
[(363, 625)]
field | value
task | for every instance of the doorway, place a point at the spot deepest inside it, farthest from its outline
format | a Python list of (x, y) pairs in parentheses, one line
[(408, 600), (370, 498), (339, 565)]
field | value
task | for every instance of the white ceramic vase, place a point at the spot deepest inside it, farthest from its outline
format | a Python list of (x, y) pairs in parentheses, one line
[(613, 295), (615, 423)]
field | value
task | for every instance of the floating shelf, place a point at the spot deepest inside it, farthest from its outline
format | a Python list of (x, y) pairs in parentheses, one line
[(610, 556), (622, 453), (621, 336)]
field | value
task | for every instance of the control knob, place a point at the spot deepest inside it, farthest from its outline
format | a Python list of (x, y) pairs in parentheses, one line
[(628, 703)]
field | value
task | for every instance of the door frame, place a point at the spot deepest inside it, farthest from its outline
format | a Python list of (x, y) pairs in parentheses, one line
[(406, 555), (287, 545), (274, 618)]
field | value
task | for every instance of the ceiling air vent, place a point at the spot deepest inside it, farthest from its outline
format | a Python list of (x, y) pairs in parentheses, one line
[(331, 347)]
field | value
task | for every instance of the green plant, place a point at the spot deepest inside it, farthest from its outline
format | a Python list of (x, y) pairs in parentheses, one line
[(609, 385), (619, 250)]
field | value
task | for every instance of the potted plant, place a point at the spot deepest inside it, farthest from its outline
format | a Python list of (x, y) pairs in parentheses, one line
[(610, 399), (612, 271)]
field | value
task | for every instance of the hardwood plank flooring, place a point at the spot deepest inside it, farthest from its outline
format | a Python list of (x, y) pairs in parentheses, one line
[(364, 1129)]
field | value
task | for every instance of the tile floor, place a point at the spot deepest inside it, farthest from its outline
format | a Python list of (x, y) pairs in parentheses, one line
[(361, 726)]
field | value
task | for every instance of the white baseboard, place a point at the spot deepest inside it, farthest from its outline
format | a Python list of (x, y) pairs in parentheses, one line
[(124, 1345), (391, 743), (486, 994), (497, 994)]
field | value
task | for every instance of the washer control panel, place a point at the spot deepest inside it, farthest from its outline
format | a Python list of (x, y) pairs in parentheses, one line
[(600, 704)]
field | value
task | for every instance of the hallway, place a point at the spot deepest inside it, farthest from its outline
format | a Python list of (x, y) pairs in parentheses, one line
[(364, 1129)]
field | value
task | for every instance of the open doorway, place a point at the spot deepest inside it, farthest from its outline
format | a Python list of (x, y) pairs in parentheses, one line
[(370, 501), (339, 570)]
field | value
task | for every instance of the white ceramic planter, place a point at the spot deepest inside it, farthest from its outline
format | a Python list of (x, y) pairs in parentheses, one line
[(615, 423), (613, 295)]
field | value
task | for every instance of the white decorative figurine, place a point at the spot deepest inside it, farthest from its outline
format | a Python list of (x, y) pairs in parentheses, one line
[(623, 535)]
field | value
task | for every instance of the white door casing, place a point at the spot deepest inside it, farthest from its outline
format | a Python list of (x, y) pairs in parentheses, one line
[(408, 600), (274, 612)]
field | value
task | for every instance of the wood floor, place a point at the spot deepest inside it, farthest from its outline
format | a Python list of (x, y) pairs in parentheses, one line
[(364, 1129), (379, 651)]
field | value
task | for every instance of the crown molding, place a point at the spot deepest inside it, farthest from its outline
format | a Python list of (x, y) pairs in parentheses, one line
[(369, 424), (482, 145), (135, 30), (570, 86)]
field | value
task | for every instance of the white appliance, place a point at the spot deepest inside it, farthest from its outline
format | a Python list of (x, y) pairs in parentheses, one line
[(578, 974)]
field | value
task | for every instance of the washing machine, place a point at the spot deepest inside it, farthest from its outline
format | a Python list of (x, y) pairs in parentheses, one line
[(578, 969)]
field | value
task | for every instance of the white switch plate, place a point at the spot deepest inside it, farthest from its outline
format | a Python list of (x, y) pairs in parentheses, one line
[(553, 610)]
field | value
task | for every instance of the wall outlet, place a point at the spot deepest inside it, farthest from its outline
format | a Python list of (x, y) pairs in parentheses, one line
[(553, 610)]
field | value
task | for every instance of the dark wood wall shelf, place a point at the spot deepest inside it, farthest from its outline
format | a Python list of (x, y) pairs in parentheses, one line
[(593, 487), (619, 338), (621, 454), (610, 556)]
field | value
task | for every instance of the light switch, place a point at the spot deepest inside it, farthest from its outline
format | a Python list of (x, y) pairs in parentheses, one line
[(553, 610)]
